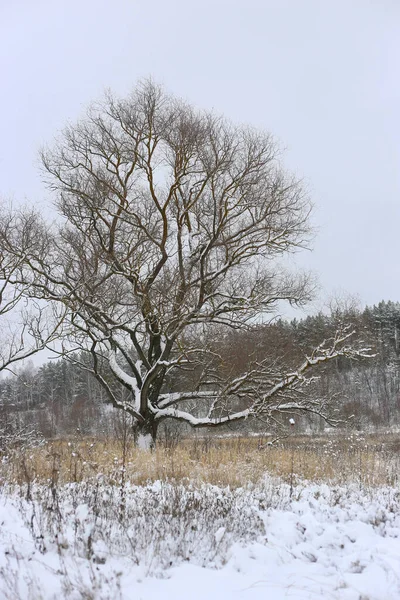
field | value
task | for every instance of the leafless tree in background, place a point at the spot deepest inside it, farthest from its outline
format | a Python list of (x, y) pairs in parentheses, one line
[(172, 223), (26, 325)]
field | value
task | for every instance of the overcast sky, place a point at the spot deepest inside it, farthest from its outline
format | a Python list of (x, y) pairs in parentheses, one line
[(322, 75)]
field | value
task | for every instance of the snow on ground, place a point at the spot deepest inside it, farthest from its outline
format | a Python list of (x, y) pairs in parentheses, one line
[(180, 542)]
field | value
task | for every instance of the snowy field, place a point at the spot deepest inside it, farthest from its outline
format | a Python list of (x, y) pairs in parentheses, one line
[(95, 541)]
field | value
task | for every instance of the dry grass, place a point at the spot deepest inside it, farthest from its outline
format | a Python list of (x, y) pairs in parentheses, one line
[(233, 462)]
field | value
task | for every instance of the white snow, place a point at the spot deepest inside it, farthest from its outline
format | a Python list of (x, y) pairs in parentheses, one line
[(181, 542)]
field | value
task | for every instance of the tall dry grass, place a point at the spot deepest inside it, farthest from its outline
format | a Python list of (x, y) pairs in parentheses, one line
[(233, 462)]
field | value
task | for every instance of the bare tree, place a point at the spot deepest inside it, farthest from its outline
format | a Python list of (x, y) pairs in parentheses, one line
[(173, 220), (26, 325)]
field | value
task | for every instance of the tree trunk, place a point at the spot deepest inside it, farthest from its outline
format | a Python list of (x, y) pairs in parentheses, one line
[(146, 434)]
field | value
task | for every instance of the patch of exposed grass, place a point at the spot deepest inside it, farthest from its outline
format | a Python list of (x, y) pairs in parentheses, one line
[(233, 462)]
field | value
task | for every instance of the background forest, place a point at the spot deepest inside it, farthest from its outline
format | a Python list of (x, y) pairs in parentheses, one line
[(61, 398)]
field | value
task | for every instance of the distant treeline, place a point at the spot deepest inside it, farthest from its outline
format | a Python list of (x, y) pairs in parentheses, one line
[(60, 397)]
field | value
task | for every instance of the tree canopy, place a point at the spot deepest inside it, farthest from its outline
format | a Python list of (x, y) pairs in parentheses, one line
[(172, 224)]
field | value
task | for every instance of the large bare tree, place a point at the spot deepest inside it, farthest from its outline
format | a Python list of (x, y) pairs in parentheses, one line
[(172, 223)]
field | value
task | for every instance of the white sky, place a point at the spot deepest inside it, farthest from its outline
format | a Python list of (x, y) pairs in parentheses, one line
[(322, 75)]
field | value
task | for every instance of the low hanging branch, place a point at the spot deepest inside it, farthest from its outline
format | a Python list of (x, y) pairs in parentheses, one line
[(267, 398)]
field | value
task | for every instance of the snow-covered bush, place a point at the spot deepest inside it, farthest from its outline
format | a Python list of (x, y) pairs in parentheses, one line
[(161, 524), (164, 540)]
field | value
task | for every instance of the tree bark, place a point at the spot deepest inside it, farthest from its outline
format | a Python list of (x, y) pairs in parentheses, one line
[(145, 433)]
